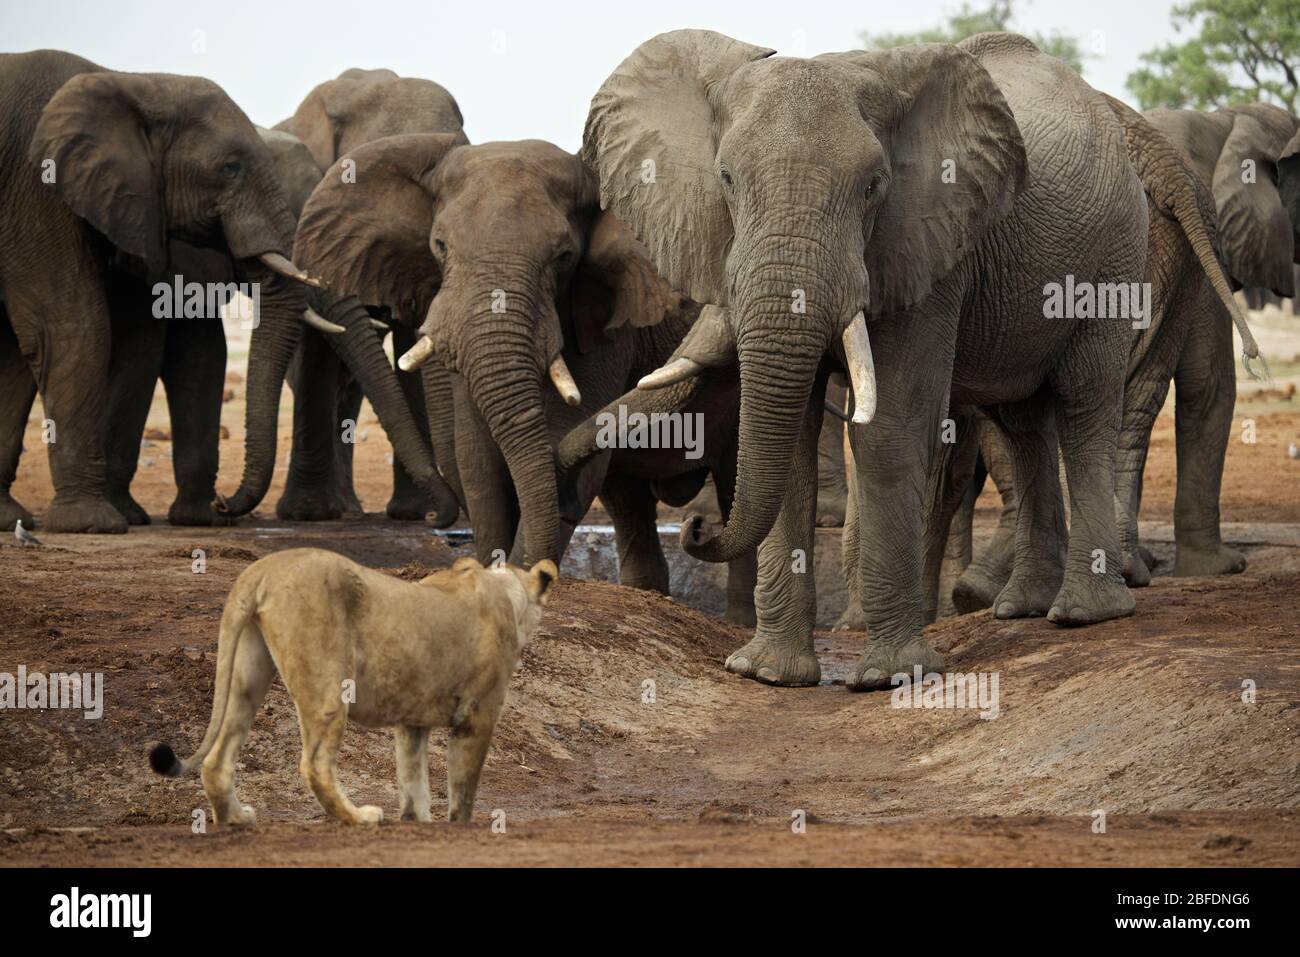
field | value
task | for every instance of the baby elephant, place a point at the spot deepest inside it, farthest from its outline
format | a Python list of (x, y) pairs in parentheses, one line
[(349, 641)]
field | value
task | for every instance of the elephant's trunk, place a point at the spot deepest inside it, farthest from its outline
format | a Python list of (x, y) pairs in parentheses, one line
[(501, 368), (779, 352), (275, 337)]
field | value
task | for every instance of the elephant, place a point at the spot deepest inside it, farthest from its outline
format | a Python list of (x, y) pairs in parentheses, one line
[(896, 216), (500, 255), (107, 175), (185, 354), (1234, 156), (1288, 174), (334, 118)]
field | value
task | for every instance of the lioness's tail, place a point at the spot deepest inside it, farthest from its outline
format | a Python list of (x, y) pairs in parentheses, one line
[(1184, 198), (239, 609)]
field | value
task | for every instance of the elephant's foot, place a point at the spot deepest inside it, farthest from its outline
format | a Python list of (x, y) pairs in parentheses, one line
[(409, 506), (881, 663), (131, 510), (831, 505), (12, 512), (853, 618), (1023, 597), (1221, 561), (195, 508), (1087, 599), (83, 515), (301, 503), (1137, 574), (975, 590), (777, 661), (1147, 556)]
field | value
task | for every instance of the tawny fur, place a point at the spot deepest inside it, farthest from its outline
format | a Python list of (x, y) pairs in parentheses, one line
[(355, 643)]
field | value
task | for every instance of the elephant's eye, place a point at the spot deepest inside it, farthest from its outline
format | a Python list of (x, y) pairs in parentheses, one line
[(564, 259), (875, 184), (232, 169), (440, 247), (725, 175)]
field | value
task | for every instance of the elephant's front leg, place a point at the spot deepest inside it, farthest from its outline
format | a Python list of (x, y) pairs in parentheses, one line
[(17, 391), (194, 375), (988, 572), (137, 360), (893, 456), (65, 335), (409, 502), (632, 508), (1206, 391), (785, 601), (951, 472), (310, 493)]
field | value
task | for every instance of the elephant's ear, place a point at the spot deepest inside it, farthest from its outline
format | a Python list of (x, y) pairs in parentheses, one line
[(651, 137), (616, 286), (97, 130), (1256, 237), (1288, 182), (365, 229), (957, 164)]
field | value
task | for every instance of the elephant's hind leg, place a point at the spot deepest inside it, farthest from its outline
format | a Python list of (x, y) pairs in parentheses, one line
[(1039, 558), (1206, 393), (1089, 386)]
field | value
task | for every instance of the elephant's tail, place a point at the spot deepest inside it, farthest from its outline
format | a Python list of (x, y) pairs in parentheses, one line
[(1174, 189), (240, 607)]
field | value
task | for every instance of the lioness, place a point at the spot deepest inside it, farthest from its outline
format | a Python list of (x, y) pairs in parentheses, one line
[(349, 641)]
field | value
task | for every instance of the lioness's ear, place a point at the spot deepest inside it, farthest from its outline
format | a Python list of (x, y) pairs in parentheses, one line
[(462, 564), (540, 578)]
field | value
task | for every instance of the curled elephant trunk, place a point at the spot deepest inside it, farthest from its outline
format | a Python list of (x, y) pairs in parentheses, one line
[(775, 385)]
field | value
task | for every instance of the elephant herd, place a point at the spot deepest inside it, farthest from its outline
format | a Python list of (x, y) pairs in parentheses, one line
[(1006, 267)]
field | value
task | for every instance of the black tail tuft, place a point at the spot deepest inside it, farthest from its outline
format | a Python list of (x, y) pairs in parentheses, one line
[(163, 760)]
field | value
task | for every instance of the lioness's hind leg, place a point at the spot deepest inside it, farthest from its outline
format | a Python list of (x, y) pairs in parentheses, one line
[(467, 748), (253, 671), (322, 736), (413, 772)]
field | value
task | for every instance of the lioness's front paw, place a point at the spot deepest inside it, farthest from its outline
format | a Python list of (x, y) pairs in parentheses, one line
[(245, 816), (370, 814)]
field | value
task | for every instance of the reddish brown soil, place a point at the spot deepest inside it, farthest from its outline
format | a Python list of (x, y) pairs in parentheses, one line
[(1142, 718)]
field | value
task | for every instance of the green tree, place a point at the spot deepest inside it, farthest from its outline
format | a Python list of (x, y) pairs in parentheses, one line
[(1244, 50), (969, 21)]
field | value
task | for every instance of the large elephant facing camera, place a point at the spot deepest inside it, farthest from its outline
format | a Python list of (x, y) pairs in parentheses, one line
[(896, 215), (103, 173)]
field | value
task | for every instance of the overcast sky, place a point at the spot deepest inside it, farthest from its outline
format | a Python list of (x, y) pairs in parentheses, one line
[(518, 69)]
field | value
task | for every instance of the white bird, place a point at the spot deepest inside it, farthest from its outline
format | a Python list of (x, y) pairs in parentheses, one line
[(24, 537), (1293, 450)]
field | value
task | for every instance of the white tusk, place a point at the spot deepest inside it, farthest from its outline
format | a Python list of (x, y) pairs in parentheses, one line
[(676, 371), (417, 355), (564, 383), (378, 326), (862, 370), (284, 267), (317, 321)]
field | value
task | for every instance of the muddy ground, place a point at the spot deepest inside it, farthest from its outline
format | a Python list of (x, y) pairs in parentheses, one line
[(1142, 719)]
